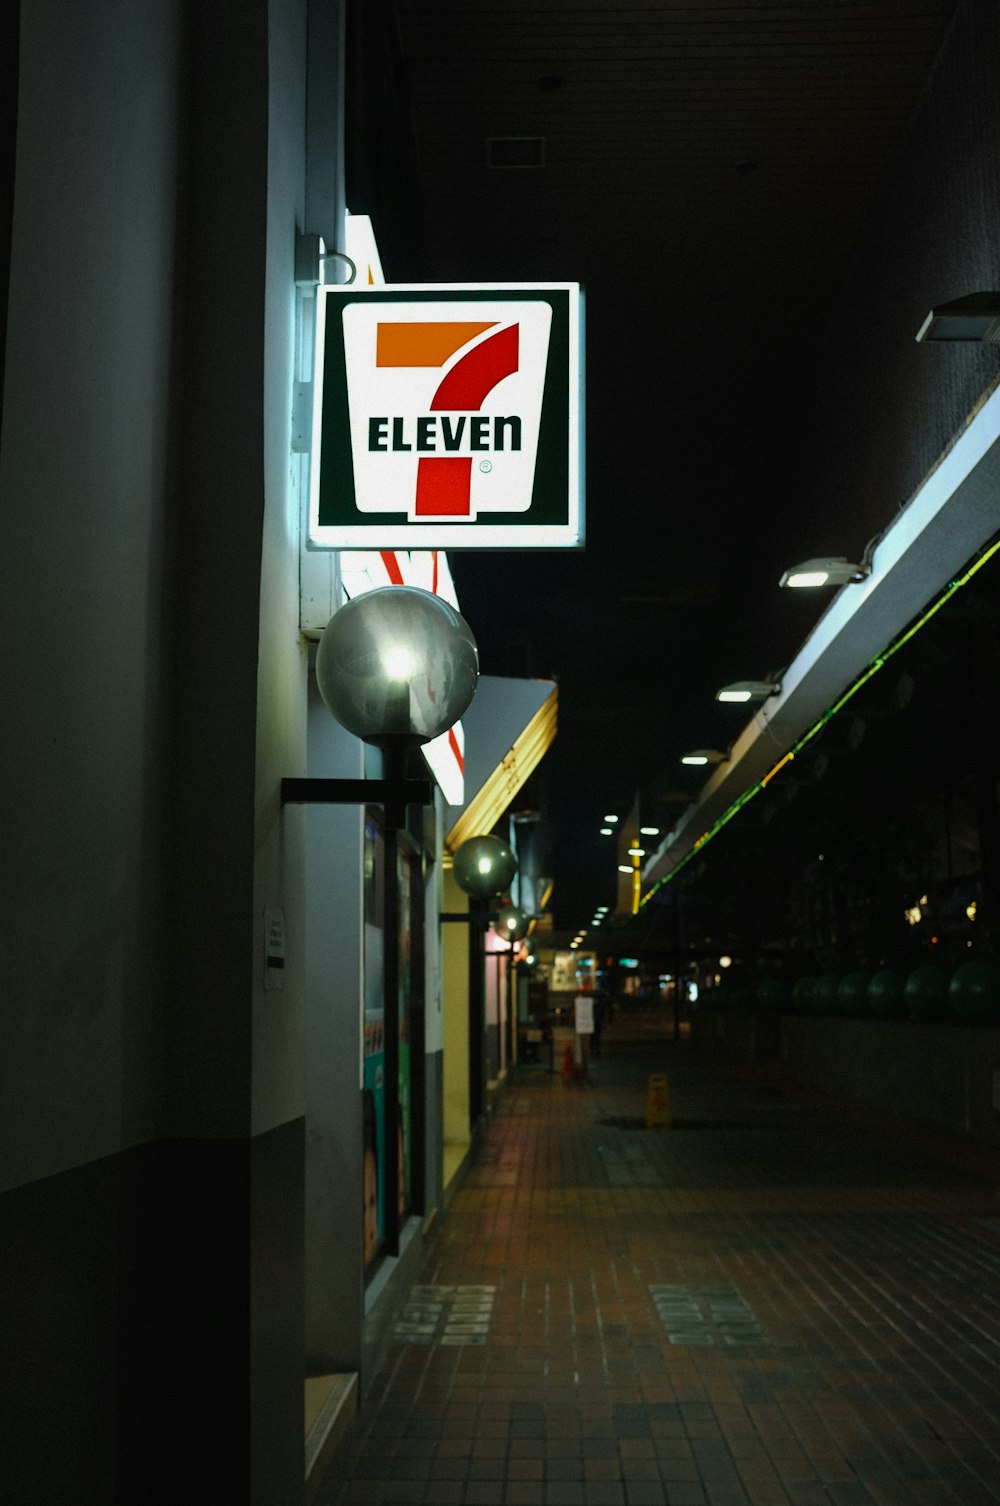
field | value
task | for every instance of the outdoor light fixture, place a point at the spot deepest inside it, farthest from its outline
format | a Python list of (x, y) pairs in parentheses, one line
[(606, 831), (483, 866), (611, 820), (824, 572), (624, 867), (702, 756), (742, 691), (511, 923), (637, 852), (974, 319), (649, 831), (397, 667)]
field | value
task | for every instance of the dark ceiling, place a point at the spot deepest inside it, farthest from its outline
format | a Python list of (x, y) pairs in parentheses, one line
[(706, 169)]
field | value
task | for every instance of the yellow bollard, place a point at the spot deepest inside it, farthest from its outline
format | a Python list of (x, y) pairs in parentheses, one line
[(658, 1114)]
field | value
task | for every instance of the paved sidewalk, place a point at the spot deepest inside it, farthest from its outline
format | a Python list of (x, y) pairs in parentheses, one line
[(768, 1305)]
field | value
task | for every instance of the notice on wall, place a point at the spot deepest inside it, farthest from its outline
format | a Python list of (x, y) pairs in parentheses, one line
[(274, 949)]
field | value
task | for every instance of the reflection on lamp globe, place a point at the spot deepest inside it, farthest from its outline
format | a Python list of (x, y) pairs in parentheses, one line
[(398, 664), (511, 923), (484, 866)]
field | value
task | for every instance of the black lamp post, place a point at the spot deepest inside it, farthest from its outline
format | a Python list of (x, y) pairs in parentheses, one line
[(511, 925), (397, 667), (483, 868)]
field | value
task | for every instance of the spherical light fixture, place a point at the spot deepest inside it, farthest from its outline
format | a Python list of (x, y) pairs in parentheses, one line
[(397, 665), (483, 867), (511, 923)]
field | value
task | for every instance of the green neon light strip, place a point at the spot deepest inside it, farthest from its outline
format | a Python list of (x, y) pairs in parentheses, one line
[(984, 556)]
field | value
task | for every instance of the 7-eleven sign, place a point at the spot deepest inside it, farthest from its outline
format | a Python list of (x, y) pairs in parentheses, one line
[(447, 419)]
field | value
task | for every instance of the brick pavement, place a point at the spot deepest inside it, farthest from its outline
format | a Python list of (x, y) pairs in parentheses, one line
[(771, 1304)]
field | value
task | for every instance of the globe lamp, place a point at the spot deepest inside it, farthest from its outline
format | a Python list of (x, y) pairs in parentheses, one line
[(484, 866), (397, 665), (511, 923)]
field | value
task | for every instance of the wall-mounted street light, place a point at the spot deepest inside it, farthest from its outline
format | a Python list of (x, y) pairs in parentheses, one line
[(511, 923), (828, 571), (742, 691), (974, 319), (397, 667), (484, 867)]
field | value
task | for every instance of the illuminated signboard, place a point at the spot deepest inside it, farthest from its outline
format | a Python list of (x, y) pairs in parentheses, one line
[(447, 417)]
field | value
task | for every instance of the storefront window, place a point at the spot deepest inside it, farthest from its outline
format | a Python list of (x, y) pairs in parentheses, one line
[(385, 1111)]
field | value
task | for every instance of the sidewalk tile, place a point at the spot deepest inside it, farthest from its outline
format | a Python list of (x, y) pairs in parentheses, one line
[(826, 1278)]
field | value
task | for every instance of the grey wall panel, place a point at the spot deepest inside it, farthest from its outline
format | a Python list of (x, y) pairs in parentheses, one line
[(86, 513), (334, 993), (129, 1284)]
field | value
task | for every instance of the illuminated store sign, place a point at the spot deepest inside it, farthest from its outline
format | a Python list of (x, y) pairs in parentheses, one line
[(447, 418)]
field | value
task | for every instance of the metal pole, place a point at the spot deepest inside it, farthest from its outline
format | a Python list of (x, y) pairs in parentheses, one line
[(511, 1008), (678, 961), (394, 814), (477, 1056)]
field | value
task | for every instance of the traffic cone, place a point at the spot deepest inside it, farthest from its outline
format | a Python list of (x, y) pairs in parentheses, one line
[(569, 1065)]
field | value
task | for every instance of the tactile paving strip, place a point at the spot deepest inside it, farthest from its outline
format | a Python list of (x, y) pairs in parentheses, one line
[(703, 1315), (451, 1315)]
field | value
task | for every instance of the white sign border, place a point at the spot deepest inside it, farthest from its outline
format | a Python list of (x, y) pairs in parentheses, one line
[(457, 536)]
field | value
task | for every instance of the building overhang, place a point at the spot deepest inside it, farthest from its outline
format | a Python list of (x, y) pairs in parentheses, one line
[(952, 516), (509, 727)]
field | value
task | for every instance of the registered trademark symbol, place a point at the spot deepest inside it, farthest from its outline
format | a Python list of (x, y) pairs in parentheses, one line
[(486, 466)]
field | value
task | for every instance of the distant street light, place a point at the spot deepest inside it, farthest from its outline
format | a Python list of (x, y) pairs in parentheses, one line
[(824, 572), (742, 691)]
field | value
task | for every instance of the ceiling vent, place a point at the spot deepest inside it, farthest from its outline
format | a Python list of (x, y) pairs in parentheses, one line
[(515, 151)]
